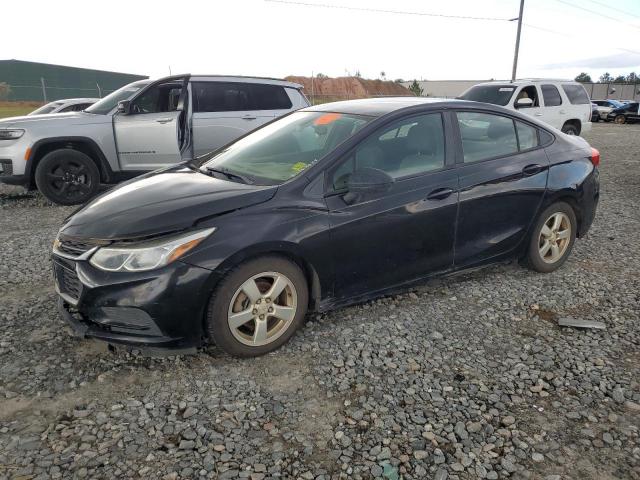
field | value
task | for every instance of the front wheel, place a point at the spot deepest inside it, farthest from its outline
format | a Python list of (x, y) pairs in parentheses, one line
[(620, 119), (552, 239), (67, 177), (258, 306)]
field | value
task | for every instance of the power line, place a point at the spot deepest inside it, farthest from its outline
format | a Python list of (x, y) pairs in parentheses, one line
[(380, 10), (597, 13), (564, 34), (614, 8)]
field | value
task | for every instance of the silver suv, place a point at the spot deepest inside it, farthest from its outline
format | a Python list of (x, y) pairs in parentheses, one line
[(143, 126)]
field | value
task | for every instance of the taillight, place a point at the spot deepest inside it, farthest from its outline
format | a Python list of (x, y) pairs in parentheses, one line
[(595, 157)]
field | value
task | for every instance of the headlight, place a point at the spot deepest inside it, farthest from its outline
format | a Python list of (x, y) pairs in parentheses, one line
[(147, 255), (11, 134)]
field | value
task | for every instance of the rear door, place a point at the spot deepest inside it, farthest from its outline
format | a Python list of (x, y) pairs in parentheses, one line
[(503, 177), (554, 110), (150, 136), (224, 111)]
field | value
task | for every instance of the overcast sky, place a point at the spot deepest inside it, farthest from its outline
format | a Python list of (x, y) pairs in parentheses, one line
[(258, 37)]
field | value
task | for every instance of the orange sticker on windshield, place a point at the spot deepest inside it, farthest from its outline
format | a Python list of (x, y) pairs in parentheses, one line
[(327, 118)]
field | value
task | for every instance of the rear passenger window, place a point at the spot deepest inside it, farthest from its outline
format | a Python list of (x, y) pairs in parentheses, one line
[(486, 136), (527, 136), (551, 96), (576, 93), (236, 97), (269, 97)]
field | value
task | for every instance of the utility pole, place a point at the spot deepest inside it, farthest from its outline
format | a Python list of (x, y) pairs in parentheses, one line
[(44, 89), (515, 54)]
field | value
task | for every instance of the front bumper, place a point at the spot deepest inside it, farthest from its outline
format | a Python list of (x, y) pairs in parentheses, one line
[(8, 176), (162, 309)]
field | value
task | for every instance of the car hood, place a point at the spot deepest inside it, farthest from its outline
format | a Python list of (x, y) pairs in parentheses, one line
[(161, 202), (69, 117)]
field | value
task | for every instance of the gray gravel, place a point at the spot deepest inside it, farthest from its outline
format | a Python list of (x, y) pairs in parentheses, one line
[(466, 377)]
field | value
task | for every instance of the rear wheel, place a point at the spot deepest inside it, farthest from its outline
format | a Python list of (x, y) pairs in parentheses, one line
[(67, 177), (570, 129), (552, 239), (258, 306), (620, 119)]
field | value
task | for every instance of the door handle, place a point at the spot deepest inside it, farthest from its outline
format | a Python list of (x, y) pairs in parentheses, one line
[(538, 114), (440, 194), (563, 111), (164, 120), (248, 117), (532, 169)]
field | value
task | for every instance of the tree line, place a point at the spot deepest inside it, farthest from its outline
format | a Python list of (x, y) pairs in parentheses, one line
[(607, 78)]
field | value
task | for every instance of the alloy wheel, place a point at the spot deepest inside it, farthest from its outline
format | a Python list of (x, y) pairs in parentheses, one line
[(555, 237), (262, 309), (69, 178), (619, 119)]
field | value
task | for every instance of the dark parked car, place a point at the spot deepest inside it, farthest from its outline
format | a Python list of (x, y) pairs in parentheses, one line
[(628, 113), (595, 113), (328, 206)]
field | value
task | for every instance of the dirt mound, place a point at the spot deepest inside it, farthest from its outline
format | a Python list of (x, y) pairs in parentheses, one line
[(350, 87)]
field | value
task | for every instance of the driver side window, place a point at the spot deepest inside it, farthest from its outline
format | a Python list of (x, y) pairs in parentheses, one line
[(160, 98), (408, 147), (530, 91)]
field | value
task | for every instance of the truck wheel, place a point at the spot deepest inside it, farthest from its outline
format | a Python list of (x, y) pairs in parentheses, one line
[(67, 177), (570, 129), (620, 119)]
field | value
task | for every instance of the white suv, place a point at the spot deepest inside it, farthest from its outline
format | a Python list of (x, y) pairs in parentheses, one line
[(563, 104)]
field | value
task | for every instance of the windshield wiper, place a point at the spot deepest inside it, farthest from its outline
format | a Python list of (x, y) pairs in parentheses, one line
[(230, 175)]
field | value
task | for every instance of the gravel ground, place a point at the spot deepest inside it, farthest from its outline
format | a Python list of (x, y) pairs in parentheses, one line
[(465, 377)]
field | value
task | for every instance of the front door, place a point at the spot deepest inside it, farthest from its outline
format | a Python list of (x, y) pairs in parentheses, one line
[(535, 110), (224, 111), (503, 178), (149, 137), (388, 238)]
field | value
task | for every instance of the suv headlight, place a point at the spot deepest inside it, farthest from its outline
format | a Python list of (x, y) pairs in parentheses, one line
[(11, 133), (147, 255)]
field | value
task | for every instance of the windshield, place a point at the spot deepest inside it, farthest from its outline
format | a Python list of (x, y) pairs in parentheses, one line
[(496, 94), (48, 108), (108, 103), (281, 150)]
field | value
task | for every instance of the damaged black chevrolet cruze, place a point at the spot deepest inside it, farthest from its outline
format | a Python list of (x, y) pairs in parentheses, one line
[(328, 206)]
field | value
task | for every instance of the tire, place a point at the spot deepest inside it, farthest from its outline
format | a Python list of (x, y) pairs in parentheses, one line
[(255, 332), (551, 259), (67, 177), (570, 129), (620, 119)]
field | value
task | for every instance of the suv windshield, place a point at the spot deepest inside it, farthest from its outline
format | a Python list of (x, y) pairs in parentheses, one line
[(108, 103), (496, 94), (282, 149)]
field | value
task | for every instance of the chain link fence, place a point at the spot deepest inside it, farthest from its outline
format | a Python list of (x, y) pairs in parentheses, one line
[(47, 93)]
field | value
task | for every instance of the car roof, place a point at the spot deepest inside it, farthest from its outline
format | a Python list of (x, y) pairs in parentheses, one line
[(245, 79), (381, 106), (527, 81), (78, 100)]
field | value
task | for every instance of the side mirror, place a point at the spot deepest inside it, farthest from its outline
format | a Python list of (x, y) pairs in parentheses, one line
[(124, 107), (367, 181), (524, 103)]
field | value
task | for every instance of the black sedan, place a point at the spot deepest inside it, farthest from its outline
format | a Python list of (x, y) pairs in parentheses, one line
[(325, 207), (627, 113)]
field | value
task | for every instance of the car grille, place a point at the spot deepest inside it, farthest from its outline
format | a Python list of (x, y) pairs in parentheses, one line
[(7, 168), (67, 278), (74, 248)]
